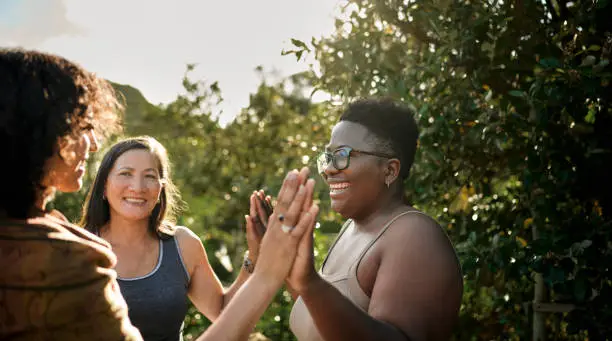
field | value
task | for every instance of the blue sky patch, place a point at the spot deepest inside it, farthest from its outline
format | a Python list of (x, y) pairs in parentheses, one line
[(10, 13)]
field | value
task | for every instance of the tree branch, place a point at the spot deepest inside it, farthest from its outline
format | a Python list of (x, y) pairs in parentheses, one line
[(390, 15)]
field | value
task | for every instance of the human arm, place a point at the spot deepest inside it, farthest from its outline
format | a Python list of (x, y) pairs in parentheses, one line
[(205, 290), (414, 270), (277, 252)]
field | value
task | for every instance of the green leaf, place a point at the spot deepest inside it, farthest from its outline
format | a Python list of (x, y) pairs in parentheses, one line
[(590, 116), (299, 43), (423, 109), (517, 93), (550, 63)]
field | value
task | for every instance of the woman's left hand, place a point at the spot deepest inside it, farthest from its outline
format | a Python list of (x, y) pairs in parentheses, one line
[(260, 210)]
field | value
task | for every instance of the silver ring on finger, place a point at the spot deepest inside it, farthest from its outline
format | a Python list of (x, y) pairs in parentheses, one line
[(287, 229)]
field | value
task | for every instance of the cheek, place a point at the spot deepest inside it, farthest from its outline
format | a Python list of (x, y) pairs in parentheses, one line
[(156, 192), (113, 188), (365, 179)]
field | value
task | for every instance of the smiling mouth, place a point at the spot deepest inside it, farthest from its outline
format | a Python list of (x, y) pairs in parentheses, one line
[(337, 188), (135, 201)]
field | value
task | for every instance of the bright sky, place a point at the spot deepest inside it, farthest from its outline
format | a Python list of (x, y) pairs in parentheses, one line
[(147, 43)]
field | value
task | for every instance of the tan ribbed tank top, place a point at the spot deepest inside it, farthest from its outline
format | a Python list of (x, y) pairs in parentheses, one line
[(343, 276)]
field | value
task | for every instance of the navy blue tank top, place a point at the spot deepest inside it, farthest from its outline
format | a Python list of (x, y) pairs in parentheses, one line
[(157, 302)]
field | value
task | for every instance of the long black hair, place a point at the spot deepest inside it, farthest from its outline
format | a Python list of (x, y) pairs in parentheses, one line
[(96, 210)]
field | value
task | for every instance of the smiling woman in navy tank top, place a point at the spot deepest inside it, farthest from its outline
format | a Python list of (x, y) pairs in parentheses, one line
[(160, 267)]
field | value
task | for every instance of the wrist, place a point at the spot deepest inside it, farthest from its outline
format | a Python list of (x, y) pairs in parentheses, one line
[(248, 263), (310, 285), (265, 281)]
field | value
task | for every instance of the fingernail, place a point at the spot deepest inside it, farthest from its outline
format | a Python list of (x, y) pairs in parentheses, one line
[(291, 175)]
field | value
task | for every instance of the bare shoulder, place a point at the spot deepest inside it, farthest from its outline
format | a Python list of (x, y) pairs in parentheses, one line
[(190, 245), (418, 269), (416, 224), (418, 233), (187, 239), (184, 233)]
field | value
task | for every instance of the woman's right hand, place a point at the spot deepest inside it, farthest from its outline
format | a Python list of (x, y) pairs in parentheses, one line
[(278, 248)]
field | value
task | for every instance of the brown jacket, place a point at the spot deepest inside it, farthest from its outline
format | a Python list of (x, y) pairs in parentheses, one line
[(57, 283)]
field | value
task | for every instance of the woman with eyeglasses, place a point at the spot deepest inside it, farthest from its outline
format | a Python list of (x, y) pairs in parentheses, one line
[(391, 273)]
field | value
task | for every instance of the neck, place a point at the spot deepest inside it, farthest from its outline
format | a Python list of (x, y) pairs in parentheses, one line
[(43, 197), (388, 203), (120, 231)]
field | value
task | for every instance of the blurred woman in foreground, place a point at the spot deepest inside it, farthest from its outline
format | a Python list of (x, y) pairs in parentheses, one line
[(56, 280)]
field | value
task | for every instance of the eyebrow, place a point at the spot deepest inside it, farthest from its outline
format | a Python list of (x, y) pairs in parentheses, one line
[(132, 169), (332, 147)]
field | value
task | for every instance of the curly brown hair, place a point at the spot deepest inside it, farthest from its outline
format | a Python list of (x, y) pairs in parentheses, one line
[(44, 98)]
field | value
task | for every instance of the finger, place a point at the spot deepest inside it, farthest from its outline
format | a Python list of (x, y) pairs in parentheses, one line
[(288, 191), (250, 228), (262, 214), (303, 175), (258, 222), (252, 206), (266, 202), (309, 195), (292, 215), (306, 243), (287, 176), (306, 222)]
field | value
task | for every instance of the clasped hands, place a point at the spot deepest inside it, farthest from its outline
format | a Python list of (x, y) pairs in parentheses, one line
[(280, 238)]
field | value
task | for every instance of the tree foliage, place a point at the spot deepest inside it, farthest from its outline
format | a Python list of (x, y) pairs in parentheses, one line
[(513, 102)]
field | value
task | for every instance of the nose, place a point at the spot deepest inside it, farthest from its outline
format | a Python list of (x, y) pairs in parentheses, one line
[(329, 170), (94, 144), (138, 183)]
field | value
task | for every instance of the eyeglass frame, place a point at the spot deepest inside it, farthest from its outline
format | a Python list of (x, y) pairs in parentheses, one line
[(332, 157)]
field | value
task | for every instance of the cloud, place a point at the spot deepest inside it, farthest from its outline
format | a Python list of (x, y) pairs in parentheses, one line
[(29, 23), (148, 43)]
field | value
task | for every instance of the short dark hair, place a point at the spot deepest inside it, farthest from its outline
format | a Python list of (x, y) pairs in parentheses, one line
[(391, 125), (43, 98), (96, 210)]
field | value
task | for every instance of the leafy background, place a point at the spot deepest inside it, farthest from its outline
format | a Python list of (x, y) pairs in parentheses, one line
[(513, 102)]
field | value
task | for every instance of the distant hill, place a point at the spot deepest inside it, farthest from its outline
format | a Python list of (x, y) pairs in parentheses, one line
[(136, 106)]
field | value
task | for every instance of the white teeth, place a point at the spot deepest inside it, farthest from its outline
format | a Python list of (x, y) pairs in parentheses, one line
[(134, 201), (339, 186)]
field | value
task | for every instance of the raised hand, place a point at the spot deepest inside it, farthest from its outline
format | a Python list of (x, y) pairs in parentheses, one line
[(257, 228), (303, 270), (286, 226)]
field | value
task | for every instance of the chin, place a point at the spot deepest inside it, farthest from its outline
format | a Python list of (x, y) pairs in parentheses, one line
[(341, 209), (135, 216), (72, 186)]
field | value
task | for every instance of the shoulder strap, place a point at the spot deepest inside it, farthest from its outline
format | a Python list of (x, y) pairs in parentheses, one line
[(174, 244), (380, 233), (342, 230)]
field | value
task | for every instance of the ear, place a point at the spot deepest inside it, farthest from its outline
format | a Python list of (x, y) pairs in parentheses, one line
[(392, 171)]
